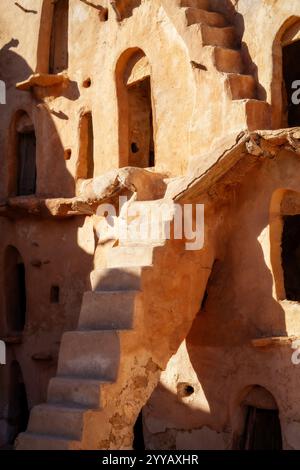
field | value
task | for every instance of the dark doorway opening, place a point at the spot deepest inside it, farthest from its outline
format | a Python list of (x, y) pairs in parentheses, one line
[(59, 47), (85, 164), (291, 74), (262, 430), (26, 163), (138, 441), (141, 140), (291, 257), (15, 290), (18, 411)]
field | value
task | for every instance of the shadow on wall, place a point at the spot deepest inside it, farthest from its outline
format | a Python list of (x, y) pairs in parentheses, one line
[(124, 8), (53, 177), (257, 424), (167, 416), (13, 68), (238, 308), (116, 279), (47, 301), (56, 246)]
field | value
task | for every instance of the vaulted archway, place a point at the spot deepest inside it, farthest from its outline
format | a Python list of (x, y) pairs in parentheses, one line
[(136, 112)]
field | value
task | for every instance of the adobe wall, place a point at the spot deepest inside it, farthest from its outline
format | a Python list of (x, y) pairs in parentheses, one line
[(193, 116), (192, 113), (218, 359), (54, 254), (263, 23)]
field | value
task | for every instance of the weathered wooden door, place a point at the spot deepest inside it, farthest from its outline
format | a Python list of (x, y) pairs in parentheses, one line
[(262, 430)]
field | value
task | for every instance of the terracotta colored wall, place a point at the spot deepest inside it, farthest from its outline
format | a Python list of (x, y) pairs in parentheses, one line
[(54, 254), (218, 359)]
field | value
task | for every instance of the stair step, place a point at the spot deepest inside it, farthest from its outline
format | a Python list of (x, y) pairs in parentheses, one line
[(63, 421), (223, 37), (241, 86), (258, 114), (78, 391), (203, 4), (196, 15), (33, 441), (228, 60), (108, 310), (116, 279), (90, 354), (125, 256)]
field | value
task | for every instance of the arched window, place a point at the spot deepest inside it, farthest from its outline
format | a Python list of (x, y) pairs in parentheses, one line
[(59, 49), (286, 75), (18, 412), (15, 290), (85, 163), (136, 120), (25, 156)]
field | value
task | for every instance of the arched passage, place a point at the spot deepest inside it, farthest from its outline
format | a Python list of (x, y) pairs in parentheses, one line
[(286, 75), (15, 289), (136, 116)]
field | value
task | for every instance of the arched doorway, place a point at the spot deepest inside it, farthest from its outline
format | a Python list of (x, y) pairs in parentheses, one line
[(18, 412), (15, 290), (260, 423), (136, 117)]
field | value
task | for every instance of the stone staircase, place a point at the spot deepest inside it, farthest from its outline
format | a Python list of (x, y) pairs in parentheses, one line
[(90, 358), (211, 32)]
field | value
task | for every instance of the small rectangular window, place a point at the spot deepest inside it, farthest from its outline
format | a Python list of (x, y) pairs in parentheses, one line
[(54, 294)]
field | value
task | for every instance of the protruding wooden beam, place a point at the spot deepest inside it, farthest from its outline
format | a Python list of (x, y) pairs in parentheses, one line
[(274, 341)]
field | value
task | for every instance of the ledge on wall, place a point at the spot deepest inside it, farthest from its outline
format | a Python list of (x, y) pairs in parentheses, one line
[(12, 339), (44, 84), (274, 341), (22, 206), (107, 188)]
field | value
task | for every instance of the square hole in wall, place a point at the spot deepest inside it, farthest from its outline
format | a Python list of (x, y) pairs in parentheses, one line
[(54, 294)]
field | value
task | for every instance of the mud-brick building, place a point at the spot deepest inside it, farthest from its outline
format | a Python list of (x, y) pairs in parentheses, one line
[(113, 343)]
